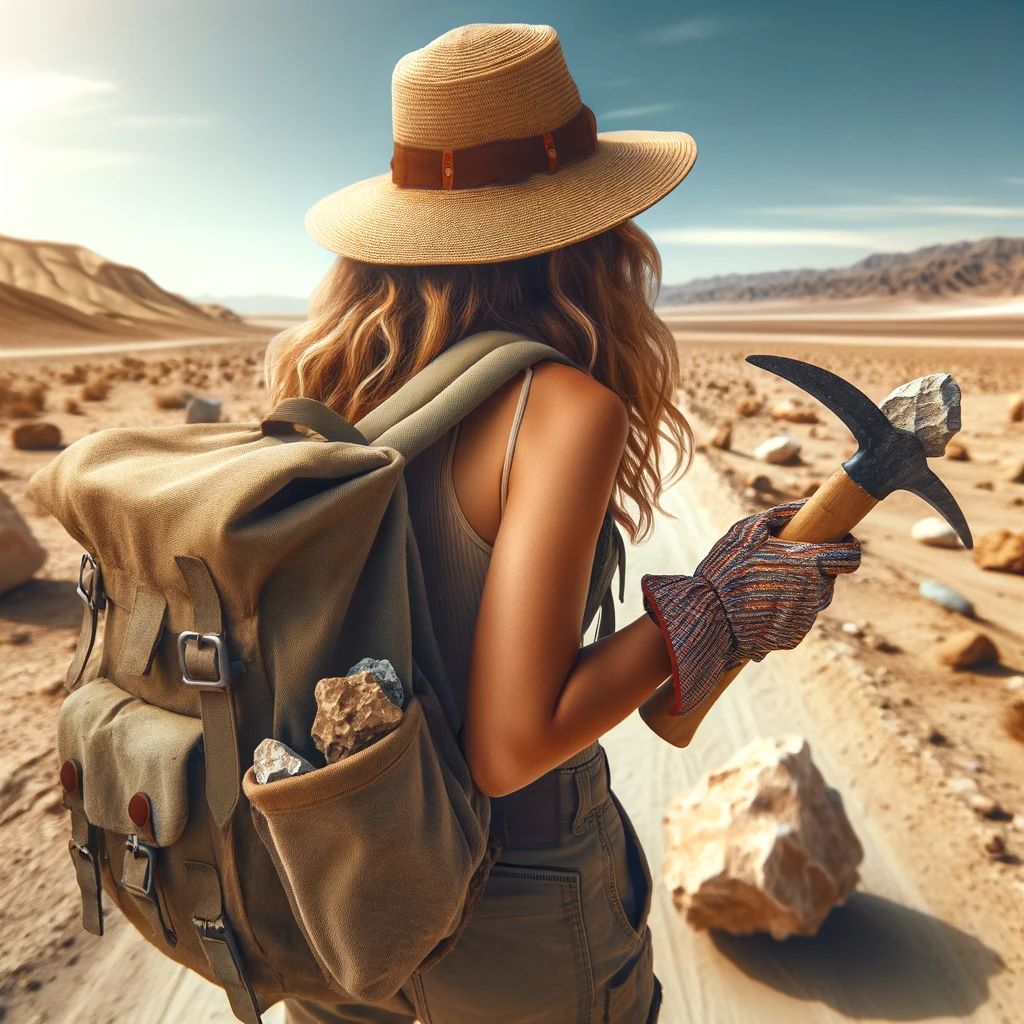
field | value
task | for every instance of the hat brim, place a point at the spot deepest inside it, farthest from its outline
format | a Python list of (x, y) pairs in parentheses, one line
[(378, 222)]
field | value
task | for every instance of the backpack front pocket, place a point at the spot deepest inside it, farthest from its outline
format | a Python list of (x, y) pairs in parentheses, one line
[(373, 856)]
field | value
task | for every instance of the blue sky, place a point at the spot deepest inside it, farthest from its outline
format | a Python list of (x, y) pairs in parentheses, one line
[(188, 137)]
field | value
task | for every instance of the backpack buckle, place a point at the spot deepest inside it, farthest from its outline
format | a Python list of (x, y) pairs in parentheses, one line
[(90, 583), (223, 679)]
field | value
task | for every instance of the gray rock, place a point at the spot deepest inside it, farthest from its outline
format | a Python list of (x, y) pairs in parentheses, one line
[(384, 672), (946, 597), (203, 410), (273, 760), (928, 407)]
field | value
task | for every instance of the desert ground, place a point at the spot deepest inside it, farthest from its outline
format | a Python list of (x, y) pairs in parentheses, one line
[(929, 761)]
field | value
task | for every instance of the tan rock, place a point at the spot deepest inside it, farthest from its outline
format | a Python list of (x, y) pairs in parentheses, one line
[(792, 410), (935, 532), (928, 407), (21, 555), (761, 845), (722, 436), (957, 452), (351, 712), (95, 389), (778, 450), (749, 406), (967, 647), (35, 436), (1000, 551), (1017, 409), (171, 398), (1015, 474), (1015, 718)]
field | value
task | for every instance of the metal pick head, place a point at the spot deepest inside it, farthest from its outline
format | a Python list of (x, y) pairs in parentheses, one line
[(892, 453)]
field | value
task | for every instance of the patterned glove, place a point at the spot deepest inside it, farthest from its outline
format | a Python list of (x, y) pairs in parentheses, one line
[(752, 594)]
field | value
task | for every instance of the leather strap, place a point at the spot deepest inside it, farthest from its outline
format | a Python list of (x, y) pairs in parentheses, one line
[(143, 631), (90, 590), (218, 940), (138, 876), (501, 162), (84, 847), (216, 704), (313, 415)]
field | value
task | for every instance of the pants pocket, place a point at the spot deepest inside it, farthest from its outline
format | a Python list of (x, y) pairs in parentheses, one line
[(523, 958), (628, 881), (633, 995)]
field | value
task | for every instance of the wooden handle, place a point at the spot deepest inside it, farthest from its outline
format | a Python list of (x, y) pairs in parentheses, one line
[(829, 515)]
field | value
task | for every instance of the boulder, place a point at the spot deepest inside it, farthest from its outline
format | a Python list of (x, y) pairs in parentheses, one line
[(946, 597), (761, 845), (1001, 551), (21, 555), (35, 436), (203, 410), (935, 532), (778, 450), (966, 648)]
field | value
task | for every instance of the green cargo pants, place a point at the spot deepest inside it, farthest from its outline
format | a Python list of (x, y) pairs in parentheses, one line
[(560, 935)]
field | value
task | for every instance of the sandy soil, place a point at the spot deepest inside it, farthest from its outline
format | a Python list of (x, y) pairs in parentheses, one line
[(930, 935)]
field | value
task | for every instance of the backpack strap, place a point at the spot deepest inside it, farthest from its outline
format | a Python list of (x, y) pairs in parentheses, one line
[(450, 387)]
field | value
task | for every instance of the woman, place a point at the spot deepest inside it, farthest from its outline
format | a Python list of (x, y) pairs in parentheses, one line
[(504, 209)]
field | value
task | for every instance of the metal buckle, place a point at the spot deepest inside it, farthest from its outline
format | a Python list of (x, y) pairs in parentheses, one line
[(137, 849), (93, 596), (81, 849), (223, 679)]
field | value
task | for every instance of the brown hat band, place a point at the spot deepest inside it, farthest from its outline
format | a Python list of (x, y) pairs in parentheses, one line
[(502, 162)]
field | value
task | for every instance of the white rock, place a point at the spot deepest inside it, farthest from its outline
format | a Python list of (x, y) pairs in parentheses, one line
[(1015, 683), (761, 845), (852, 629), (21, 555), (935, 532), (203, 410), (778, 450)]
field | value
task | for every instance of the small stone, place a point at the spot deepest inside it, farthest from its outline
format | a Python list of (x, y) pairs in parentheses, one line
[(1016, 408), (995, 845), (386, 676), (72, 407), (352, 711), (852, 629), (95, 390), (984, 485), (1017, 822), (957, 452), (171, 398), (792, 410), (759, 482), (981, 804), (35, 436), (936, 737), (274, 760), (778, 450), (1015, 718), (1015, 683), (1015, 474), (967, 648), (1000, 551), (962, 785), (722, 437), (203, 410), (935, 533), (946, 597), (929, 408), (749, 406)]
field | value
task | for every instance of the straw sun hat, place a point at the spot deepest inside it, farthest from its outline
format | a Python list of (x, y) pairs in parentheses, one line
[(496, 158)]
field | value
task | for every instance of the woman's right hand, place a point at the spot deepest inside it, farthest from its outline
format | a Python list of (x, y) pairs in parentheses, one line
[(753, 593)]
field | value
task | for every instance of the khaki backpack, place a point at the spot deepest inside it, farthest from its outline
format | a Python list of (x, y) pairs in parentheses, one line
[(235, 565)]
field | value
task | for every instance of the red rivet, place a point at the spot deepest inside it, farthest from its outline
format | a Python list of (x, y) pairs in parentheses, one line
[(138, 810), (69, 776)]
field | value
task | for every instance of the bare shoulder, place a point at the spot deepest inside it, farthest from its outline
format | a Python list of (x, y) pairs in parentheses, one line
[(567, 399)]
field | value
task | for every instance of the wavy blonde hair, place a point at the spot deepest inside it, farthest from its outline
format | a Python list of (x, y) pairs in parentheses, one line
[(372, 326)]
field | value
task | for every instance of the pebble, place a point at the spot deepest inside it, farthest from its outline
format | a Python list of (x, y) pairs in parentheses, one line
[(967, 648), (778, 450), (962, 785), (1015, 683), (935, 532), (203, 410), (722, 437), (852, 629), (947, 598)]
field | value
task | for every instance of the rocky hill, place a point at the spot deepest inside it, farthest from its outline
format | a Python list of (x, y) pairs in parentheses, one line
[(56, 291), (987, 269)]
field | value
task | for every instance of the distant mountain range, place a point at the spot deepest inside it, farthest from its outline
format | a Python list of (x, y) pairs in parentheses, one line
[(258, 305), (989, 268), (59, 291)]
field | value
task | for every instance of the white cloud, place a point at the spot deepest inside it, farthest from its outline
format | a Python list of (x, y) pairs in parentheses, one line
[(765, 236), (627, 113), (877, 211), (685, 31), (51, 94)]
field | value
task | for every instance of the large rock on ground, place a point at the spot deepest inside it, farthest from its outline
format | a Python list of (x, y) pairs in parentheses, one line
[(761, 845), (21, 555), (1000, 550), (36, 436), (778, 450), (966, 648)]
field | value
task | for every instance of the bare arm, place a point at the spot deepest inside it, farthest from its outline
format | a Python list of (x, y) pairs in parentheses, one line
[(535, 696)]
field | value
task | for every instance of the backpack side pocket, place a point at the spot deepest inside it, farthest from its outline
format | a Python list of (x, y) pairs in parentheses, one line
[(372, 855)]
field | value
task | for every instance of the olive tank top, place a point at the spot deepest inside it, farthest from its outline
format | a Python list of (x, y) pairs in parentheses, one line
[(454, 556)]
